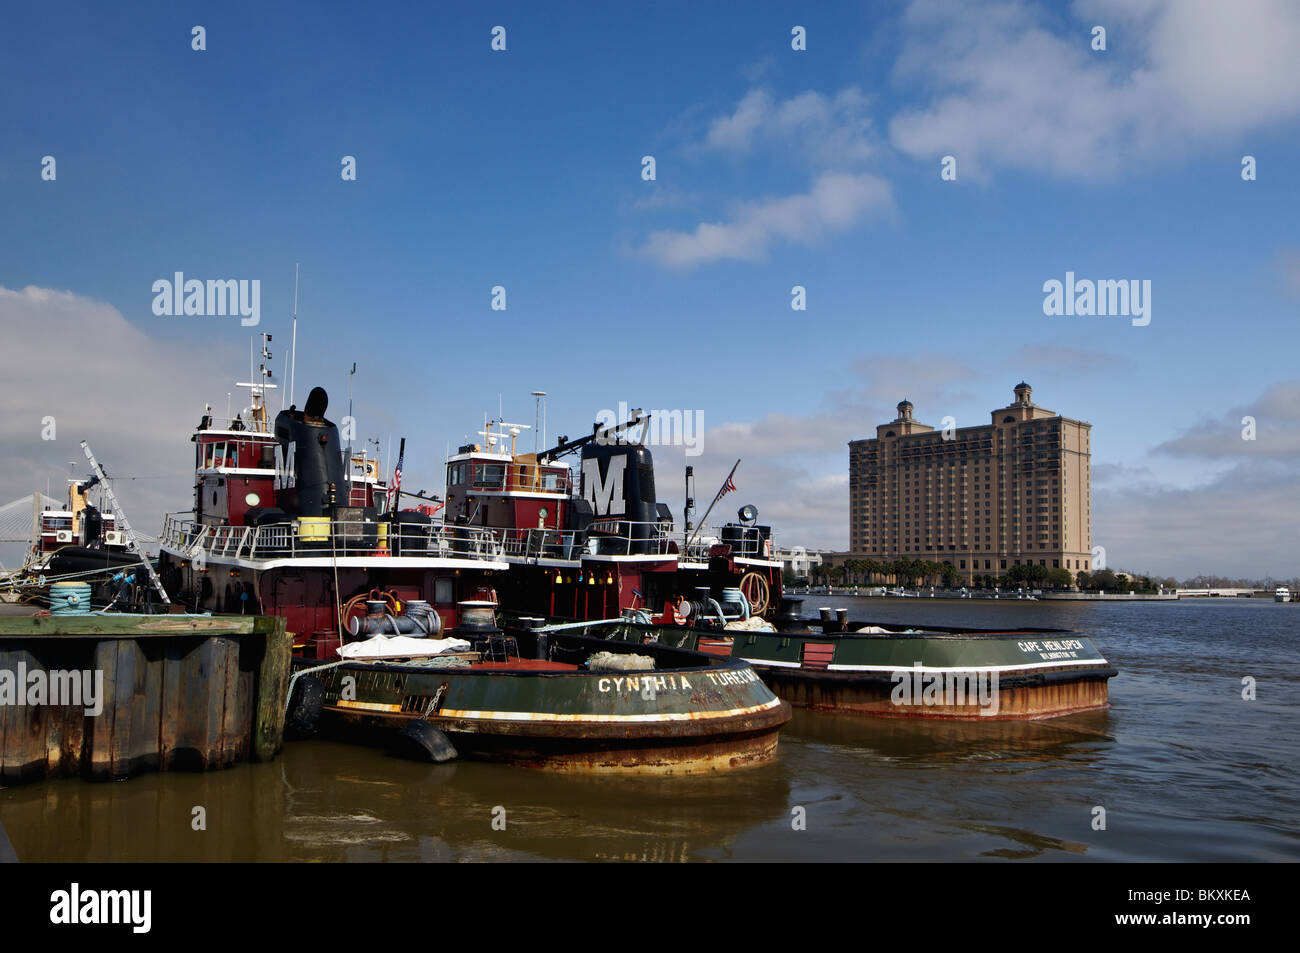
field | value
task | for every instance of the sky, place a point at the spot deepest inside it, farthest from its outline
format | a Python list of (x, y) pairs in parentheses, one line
[(774, 167)]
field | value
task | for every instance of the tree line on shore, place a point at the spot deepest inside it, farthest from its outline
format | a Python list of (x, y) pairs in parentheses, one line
[(925, 572)]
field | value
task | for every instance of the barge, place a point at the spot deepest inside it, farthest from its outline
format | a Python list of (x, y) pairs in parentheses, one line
[(898, 671)]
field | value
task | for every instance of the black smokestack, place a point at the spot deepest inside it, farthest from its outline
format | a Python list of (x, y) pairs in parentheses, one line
[(317, 455), (317, 401)]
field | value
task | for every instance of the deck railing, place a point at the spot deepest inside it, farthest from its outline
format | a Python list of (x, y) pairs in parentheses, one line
[(743, 540), (605, 537), (329, 537)]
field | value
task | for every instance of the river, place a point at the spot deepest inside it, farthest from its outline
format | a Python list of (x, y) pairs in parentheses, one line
[(1184, 768)]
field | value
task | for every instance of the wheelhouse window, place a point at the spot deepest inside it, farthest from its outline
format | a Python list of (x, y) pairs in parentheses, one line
[(490, 476)]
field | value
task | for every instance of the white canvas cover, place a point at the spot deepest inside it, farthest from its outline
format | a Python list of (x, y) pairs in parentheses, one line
[(400, 646)]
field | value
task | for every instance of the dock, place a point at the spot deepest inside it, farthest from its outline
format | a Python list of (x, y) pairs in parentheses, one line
[(107, 696)]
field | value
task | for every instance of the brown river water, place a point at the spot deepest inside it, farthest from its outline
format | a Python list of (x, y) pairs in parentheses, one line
[(1185, 769)]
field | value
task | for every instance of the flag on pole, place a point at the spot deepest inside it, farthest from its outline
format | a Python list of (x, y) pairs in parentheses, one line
[(728, 485), (395, 489), (726, 488)]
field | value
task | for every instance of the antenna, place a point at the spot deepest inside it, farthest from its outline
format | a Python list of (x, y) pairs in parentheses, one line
[(257, 384), (293, 349), (539, 394), (351, 429)]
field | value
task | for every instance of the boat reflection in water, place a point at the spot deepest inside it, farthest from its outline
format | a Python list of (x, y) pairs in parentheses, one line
[(1080, 737), (327, 801)]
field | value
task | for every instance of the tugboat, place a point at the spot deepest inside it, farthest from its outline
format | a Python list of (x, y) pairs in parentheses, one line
[(924, 671), (85, 548), (280, 527), (394, 616), (598, 544), (80, 537), (548, 698)]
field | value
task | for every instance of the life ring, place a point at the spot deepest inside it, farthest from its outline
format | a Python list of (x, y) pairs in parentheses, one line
[(680, 615), (756, 590)]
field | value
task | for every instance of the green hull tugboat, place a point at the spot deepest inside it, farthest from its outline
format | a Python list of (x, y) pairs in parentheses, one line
[(905, 672), (545, 697)]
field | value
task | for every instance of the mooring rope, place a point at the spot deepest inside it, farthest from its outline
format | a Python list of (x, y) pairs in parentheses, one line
[(307, 671)]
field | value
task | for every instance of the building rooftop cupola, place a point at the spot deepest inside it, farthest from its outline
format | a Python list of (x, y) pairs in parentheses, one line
[(1023, 393), (905, 410)]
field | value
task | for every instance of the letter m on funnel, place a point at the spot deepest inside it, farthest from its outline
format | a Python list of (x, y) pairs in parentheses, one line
[(605, 495)]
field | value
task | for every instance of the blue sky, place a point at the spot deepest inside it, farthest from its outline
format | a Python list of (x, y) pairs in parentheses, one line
[(818, 168)]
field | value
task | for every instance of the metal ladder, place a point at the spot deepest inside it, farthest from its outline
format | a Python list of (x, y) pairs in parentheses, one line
[(132, 544)]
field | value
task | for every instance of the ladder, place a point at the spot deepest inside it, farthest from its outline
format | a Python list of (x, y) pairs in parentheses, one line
[(132, 544)]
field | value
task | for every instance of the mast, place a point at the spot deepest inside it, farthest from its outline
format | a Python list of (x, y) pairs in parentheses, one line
[(293, 345), (347, 472), (258, 384), (132, 544), (721, 493), (537, 410), (689, 509)]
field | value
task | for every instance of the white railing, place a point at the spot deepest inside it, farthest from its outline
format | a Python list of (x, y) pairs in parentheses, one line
[(333, 537), (614, 537), (743, 540), (605, 537)]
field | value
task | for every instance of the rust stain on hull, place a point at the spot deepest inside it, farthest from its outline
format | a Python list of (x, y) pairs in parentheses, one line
[(584, 748), (1015, 703)]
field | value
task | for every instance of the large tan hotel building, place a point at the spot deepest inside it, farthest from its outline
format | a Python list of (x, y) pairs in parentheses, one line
[(1016, 490)]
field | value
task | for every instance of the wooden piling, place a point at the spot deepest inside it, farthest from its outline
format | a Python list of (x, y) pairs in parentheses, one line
[(178, 692)]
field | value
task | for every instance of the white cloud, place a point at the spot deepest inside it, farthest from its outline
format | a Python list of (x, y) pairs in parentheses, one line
[(1276, 414), (1008, 90), (1240, 524), (836, 201), (828, 131), (1055, 358), (831, 134), (133, 397)]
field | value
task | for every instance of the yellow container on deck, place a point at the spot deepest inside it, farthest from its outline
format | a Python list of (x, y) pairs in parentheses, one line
[(314, 529)]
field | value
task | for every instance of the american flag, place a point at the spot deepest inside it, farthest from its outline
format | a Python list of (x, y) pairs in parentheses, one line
[(726, 487), (393, 491)]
